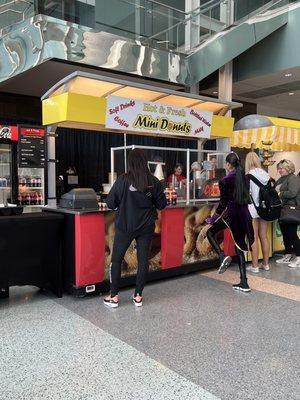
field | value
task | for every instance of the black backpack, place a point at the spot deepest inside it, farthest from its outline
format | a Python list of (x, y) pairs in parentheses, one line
[(269, 206)]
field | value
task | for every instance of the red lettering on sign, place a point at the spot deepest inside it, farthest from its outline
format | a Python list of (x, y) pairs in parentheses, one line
[(121, 122)]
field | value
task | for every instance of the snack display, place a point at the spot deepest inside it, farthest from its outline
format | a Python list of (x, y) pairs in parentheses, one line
[(129, 266), (197, 247)]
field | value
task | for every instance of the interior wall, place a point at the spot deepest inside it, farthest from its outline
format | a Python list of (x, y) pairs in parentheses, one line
[(247, 109), (275, 53)]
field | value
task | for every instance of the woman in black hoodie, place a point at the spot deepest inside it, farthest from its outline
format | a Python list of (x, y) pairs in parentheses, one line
[(135, 196)]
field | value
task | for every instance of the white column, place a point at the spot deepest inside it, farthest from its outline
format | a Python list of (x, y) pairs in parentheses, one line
[(51, 163), (138, 20), (225, 72), (192, 28), (125, 152)]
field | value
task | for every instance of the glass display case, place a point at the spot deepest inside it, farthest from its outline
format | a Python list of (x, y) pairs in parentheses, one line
[(5, 174), (31, 167)]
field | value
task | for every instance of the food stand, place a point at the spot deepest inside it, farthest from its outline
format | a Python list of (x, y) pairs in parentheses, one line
[(98, 103), (279, 135)]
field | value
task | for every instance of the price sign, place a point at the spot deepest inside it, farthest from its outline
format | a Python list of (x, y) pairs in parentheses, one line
[(32, 148)]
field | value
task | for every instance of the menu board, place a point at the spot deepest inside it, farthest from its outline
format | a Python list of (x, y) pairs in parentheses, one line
[(32, 148)]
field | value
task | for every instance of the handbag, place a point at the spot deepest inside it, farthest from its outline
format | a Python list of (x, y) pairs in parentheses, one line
[(290, 215)]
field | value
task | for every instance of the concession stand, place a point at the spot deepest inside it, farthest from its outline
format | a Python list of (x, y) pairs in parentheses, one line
[(102, 104), (275, 139)]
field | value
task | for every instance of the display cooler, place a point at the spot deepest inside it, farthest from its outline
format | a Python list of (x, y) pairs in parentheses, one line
[(22, 166), (8, 165), (31, 166)]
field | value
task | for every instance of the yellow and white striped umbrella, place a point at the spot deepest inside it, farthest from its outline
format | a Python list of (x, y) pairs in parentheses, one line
[(283, 138)]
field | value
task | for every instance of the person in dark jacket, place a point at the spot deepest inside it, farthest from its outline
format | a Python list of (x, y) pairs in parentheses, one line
[(288, 187), (233, 213), (135, 196)]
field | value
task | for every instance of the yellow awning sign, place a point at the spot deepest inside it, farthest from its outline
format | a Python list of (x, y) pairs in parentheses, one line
[(80, 101), (283, 138)]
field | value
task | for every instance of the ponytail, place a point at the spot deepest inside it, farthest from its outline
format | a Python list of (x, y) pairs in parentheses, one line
[(241, 191)]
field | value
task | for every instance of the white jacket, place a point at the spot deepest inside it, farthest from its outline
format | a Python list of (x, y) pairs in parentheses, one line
[(264, 178)]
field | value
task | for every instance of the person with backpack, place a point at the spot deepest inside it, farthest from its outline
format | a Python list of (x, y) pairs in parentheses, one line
[(135, 196), (288, 186), (259, 180), (233, 213)]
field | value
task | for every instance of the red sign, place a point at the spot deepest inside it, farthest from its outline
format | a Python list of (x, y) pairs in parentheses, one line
[(33, 131), (9, 132)]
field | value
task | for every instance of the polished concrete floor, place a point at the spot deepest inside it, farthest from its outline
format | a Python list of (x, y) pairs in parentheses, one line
[(194, 338)]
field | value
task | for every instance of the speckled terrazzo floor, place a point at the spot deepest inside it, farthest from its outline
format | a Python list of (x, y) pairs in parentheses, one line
[(213, 343), (48, 352)]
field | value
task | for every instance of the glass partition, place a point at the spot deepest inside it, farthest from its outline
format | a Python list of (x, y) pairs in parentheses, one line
[(192, 175), (163, 24)]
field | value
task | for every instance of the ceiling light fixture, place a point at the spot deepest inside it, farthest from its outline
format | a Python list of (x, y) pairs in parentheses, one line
[(287, 75), (291, 94)]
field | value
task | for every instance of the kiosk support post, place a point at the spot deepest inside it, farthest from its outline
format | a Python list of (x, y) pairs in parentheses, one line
[(112, 166), (51, 162), (125, 153), (188, 176)]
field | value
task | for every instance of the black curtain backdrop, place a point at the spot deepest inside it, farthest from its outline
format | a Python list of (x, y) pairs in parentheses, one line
[(89, 153)]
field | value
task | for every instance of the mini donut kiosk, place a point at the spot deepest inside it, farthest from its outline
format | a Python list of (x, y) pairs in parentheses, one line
[(274, 139), (103, 104)]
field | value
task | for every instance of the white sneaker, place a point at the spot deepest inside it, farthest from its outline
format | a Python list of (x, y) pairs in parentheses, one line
[(250, 268), (285, 259), (265, 267), (295, 263)]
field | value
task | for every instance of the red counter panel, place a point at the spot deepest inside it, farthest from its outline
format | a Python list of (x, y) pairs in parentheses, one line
[(89, 249), (229, 248), (172, 237)]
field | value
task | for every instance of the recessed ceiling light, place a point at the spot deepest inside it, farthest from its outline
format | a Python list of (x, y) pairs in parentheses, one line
[(291, 94), (287, 75)]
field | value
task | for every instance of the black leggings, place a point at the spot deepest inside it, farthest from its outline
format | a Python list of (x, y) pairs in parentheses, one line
[(212, 232), (290, 238), (122, 241)]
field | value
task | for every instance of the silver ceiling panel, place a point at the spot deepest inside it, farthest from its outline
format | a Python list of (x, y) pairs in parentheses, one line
[(42, 38)]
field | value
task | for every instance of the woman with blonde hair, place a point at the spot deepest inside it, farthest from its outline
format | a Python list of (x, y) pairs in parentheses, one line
[(288, 187), (253, 169)]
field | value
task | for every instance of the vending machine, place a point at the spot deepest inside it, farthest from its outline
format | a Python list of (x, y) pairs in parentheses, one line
[(8, 165), (31, 166)]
